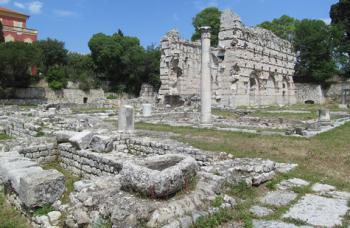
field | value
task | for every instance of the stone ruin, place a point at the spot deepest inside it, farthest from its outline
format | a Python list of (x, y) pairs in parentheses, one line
[(250, 67)]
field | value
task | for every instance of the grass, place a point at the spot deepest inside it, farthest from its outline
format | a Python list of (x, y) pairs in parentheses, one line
[(43, 210), (10, 217), (4, 137), (324, 158), (89, 110), (69, 179), (289, 116)]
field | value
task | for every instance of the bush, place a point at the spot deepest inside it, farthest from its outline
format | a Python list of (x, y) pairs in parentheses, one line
[(57, 78)]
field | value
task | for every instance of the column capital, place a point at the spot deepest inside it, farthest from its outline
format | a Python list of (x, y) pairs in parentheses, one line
[(205, 31)]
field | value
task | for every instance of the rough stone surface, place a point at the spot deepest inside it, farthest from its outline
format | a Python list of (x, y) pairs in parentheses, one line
[(322, 187), (319, 211), (294, 182), (275, 224), (279, 198), (260, 211), (126, 119), (101, 144), (82, 139)]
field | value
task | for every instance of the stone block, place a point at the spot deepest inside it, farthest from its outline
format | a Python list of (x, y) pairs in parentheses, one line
[(64, 136), (101, 144), (42, 188), (147, 110), (82, 139), (126, 119)]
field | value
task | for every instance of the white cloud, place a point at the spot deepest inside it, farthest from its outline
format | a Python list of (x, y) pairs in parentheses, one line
[(34, 7), (3, 2), (19, 5), (327, 20), (65, 13)]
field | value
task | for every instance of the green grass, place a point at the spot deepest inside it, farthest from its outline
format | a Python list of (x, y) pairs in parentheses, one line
[(69, 179), (289, 116), (324, 158), (89, 110), (10, 217), (4, 137), (43, 210)]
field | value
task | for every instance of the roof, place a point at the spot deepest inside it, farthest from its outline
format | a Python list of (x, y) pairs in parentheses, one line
[(9, 12)]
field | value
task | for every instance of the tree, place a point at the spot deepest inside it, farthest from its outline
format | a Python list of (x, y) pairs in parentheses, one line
[(16, 60), (207, 17), (284, 27), (122, 61), (2, 38), (53, 54), (340, 15), (57, 78), (313, 43)]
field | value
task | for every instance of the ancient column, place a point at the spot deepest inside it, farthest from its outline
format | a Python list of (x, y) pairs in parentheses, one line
[(146, 110), (126, 119), (205, 77)]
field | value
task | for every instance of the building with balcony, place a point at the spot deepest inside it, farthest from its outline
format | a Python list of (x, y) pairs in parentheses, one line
[(15, 26)]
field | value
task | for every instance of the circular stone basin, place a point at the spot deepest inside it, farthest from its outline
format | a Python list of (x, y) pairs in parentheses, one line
[(159, 176)]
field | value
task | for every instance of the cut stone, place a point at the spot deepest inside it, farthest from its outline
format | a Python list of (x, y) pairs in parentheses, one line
[(147, 110), (322, 187), (279, 198), (101, 144), (159, 176), (82, 139), (319, 211), (291, 183), (64, 136), (41, 189), (275, 224), (260, 211), (126, 119)]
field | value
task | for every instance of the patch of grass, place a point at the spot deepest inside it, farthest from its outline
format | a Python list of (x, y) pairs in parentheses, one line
[(218, 201), (289, 116), (43, 210), (89, 110), (222, 216), (4, 137), (9, 216), (40, 133), (69, 179), (225, 114)]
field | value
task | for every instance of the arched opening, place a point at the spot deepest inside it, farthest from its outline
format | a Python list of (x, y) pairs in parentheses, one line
[(254, 90), (85, 100)]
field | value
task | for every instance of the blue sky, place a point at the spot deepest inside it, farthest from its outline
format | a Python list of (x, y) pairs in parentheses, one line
[(75, 21)]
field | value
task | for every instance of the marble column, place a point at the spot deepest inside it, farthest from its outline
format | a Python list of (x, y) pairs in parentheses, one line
[(126, 119), (205, 77)]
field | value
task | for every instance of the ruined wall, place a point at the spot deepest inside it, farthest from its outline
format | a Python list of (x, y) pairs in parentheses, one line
[(335, 91), (61, 96), (251, 66), (309, 92)]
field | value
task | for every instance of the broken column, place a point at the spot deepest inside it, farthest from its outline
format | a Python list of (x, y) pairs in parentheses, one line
[(146, 110), (205, 77), (126, 119), (324, 115)]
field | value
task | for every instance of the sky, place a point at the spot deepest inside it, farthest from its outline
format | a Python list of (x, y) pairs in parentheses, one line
[(75, 21)]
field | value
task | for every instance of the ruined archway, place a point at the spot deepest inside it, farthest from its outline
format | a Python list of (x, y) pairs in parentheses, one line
[(271, 89), (254, 89)]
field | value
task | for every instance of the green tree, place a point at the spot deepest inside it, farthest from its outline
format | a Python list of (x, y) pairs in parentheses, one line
[(16, 61), (152, 63), (53, 54), (340, 15), (2, 38), (122, 61), (284, 27), (207, 17), (313, 43), (57, 78)]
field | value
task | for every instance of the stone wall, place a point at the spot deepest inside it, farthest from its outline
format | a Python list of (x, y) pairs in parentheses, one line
[(20, 128), (43, 153), (61, 96), (334, 92), (309, 92), (251, 66)]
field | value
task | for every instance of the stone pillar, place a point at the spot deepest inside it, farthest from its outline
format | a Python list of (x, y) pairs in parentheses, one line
[(126, 119), (324, 115), (146, 110), (205, 77)]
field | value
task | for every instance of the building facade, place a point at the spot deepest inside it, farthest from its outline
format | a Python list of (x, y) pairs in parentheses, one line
[(250, 66), (15, 26)]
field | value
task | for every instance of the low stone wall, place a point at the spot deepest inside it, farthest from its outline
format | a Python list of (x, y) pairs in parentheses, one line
[(19, 128), (23, 101), (334, 92), (309, 92), (61, 96), (41, 153)]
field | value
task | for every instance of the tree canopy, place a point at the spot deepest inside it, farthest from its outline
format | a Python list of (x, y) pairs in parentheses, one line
[(284, 27), (207, 17), (340, 15)]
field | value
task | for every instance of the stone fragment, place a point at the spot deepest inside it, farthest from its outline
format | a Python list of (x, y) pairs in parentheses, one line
[(279, 198), (260, 211), (275, 224), (41, 189), (126, 119), (82, 139), (285, 167), (101, 144), (146, 110), (291, 183), (322, 187), (54, 217), (324, 115), (185, 222), (64, 136), (319, 211), (81, 217)]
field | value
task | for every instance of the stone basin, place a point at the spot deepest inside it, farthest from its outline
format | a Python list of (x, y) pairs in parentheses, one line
[(159, 176)]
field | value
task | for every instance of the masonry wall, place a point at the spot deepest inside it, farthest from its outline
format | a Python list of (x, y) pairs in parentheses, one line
[(250, 66), (309, 92)]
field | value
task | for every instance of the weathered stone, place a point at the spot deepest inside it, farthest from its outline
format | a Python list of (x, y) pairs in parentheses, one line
[(158, 176), (126, 119), (279, 198), (291, 183), (319, 211), (64, 136), (260, 211), (54, 217), (41, 189), (82, 139), (101, 144), (275, 224), (322, 187), (324, 115), (147, 110)]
